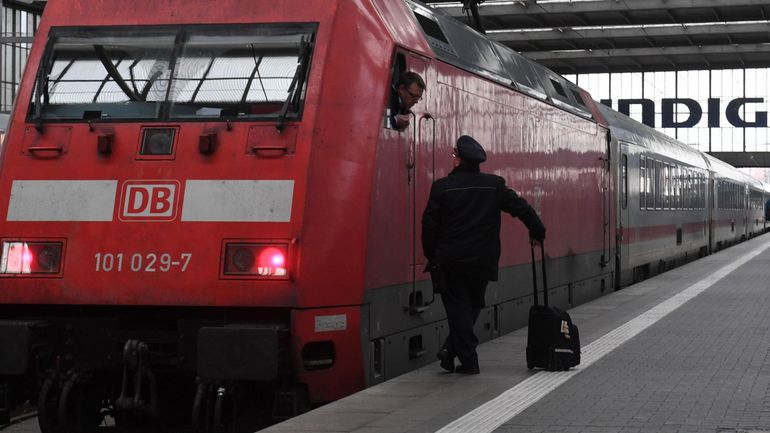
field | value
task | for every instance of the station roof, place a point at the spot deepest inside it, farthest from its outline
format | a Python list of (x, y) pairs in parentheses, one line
[(587, 36), (35, 6)]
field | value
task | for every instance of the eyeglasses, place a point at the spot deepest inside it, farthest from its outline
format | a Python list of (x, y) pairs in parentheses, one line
[(418, 97), (455, 154)]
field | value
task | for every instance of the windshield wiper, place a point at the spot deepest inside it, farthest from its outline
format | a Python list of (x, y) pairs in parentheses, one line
[(295, 89), (113, 72), (42, 90)]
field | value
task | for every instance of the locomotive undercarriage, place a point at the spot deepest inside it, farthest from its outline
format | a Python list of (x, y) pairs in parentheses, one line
[(146, 368)]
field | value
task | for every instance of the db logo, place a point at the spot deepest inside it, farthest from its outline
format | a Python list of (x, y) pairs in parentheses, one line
[(149, 201)]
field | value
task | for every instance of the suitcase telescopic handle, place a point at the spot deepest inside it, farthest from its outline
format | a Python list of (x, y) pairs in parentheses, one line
[(534, 273)]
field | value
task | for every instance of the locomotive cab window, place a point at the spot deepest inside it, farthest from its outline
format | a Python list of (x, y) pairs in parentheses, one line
[(399, 67), (257, 72), (558, 88)]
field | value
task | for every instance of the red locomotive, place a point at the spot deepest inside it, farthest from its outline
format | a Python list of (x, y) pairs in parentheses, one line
[(208, 213)]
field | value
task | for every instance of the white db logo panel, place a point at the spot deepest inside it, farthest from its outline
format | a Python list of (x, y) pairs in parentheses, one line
[(149, 201)]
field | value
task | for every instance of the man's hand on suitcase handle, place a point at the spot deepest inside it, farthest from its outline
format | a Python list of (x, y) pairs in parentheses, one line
[(537, 237)]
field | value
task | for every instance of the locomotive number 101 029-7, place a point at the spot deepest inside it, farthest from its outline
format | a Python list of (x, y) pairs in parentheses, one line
[(138, 262)]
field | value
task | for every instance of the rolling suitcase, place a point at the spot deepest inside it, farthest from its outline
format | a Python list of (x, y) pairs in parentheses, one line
[(553, 342)]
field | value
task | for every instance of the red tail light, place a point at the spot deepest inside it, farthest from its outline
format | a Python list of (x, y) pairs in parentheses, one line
[(257, 260), (26, 257)]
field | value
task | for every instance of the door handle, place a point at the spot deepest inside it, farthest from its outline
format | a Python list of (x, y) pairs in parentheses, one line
[(428, 116), (59, 149)]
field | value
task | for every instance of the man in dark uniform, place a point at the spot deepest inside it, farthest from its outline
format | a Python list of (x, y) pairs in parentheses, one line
[(407, 92), (461, 240)]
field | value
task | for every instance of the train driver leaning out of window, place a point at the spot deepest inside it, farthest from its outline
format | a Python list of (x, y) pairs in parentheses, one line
[(461, 240), (407, 92)]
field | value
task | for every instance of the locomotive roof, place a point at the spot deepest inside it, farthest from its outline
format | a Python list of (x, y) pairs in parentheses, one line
[(457, 44), (629, 130)]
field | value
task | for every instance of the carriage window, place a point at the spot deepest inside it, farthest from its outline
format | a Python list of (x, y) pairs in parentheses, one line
[(191, 72), (696, 190), (703, 182), (720, 194), (650, 184), (677, 181), (718, 191), (659, 184), (666, 185)]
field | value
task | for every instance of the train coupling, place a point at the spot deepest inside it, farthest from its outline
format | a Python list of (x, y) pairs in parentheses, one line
[(139, 389)]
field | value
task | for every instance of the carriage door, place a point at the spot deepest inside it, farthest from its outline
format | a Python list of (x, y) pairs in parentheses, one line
[(623, 233), (711, 205), (420, 169), (746, 211)]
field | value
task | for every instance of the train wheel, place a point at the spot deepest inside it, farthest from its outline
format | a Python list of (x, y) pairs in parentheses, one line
[(48, 405), (222, 411), (79, 405), (199, 407)]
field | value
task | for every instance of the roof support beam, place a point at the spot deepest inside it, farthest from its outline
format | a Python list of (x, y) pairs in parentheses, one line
[(581, 7), (744, 159), (646, 52), (16, 39), (32, 6), (565, 34)]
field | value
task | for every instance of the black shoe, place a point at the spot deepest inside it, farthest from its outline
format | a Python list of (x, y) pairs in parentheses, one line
[(447, 360), (462, 369)]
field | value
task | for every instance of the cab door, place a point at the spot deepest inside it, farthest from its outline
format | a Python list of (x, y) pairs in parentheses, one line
[(419, 154)]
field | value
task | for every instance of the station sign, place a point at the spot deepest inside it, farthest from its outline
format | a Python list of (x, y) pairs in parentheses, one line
[(694, 111)]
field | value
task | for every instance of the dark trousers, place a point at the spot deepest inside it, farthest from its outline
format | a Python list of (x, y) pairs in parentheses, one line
[(463, 299)]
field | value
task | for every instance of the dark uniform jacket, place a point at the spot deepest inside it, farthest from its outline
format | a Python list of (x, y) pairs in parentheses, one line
[(461, 223)]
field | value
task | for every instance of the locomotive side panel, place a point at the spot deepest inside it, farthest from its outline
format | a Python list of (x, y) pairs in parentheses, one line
[(541, 151)]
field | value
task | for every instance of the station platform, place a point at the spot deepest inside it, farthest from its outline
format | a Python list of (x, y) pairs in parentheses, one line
[(685, 351)]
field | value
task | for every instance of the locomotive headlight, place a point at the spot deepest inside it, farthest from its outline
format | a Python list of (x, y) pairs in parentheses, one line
[(256, 260), (157, 141), (243, 259), (31, 257), (48, 258)]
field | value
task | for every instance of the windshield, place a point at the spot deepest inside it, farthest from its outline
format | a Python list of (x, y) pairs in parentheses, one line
[(156, 73)]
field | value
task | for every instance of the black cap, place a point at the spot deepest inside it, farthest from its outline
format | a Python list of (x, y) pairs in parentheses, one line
[(469, 150)]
